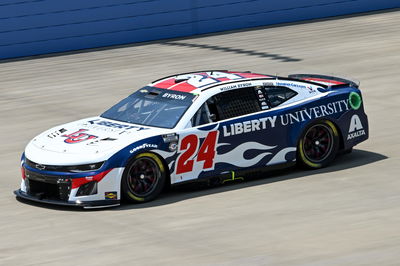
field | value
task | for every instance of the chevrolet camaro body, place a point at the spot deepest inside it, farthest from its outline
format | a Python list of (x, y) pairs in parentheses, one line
[(191, 127)]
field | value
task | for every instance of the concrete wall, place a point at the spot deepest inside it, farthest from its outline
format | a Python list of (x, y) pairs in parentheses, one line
[(31, 27)]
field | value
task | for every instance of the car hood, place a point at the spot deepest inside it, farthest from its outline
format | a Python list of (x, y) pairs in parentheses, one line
[(85, 141)]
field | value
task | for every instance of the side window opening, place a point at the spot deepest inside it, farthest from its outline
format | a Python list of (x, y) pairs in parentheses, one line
[(278, 95), (202, 116), (239, 102), (226, 105), (236, 103)]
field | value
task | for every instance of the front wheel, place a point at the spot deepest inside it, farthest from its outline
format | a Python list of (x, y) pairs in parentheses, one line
[(318, 145), (143, 178)]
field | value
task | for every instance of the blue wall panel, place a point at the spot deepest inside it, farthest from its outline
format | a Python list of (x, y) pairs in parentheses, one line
[(31, 27)]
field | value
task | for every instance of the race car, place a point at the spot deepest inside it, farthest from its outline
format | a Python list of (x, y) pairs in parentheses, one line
[(192, 127)]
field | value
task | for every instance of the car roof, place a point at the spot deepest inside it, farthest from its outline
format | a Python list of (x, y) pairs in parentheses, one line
[(195, 82)]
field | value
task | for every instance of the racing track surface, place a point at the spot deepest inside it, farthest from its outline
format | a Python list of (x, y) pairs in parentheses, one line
[(347, 214)]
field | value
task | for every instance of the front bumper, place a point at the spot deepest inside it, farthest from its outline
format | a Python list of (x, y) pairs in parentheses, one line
[(85, 204)]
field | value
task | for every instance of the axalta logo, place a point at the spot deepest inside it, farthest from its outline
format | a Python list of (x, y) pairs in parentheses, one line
[(356, 128)]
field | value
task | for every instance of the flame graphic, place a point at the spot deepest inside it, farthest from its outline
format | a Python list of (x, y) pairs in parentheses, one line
[(164, 154), (280, 156), (236, 156)]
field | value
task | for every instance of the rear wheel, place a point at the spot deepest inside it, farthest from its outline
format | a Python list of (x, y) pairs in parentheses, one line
[(318, 145), (143, 178)]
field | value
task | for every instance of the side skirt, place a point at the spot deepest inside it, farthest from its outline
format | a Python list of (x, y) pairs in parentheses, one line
[(237, 175)]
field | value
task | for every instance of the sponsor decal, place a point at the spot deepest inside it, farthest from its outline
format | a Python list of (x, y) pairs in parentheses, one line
[(115, 125), (170, 137), (309, 88), (249, 126), (56, 133), (111, 195), (291, 84), (144, 146), (78, 136), (356, 129), (285, 119), (267, 84), (173, 146)]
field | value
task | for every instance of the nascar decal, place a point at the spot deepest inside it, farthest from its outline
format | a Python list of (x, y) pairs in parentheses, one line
[(78, 136)]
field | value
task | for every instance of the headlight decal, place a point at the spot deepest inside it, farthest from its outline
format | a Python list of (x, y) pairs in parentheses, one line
[(77, 182)]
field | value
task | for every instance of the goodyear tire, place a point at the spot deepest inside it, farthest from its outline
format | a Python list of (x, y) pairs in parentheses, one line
[(318, 145), (143, 178)]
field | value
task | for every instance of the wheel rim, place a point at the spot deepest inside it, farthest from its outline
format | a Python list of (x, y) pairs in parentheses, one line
[(318, 143), (143, 177)]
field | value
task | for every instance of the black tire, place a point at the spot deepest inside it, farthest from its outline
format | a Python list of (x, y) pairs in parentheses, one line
[(318, 145), (143, 178)]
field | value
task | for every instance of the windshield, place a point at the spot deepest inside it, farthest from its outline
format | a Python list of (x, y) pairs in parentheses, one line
[(151, 107)]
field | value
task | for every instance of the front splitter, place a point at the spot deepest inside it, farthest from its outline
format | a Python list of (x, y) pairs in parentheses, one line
[(85, 204)]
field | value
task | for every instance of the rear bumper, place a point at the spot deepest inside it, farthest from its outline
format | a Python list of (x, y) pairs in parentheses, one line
[(85, 204)]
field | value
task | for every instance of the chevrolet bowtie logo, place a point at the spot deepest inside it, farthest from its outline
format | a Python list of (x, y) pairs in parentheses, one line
[(40, 166)]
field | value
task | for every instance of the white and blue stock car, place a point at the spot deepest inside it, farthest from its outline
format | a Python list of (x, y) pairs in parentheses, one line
[(189, 127)]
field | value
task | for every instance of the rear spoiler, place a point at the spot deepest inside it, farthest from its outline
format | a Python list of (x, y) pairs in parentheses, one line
[(325, 80)]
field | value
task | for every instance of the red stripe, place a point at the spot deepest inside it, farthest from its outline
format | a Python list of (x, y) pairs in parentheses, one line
[(170, 84), (325, 80), (186, 87), (183, 86), (165, 84), (23, 173), (252, 75), (77, 182)]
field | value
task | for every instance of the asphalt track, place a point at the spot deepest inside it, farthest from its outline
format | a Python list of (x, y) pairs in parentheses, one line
[(346, 214)]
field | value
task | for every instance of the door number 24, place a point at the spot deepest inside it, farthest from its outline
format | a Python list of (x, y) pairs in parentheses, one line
[(190, 147)]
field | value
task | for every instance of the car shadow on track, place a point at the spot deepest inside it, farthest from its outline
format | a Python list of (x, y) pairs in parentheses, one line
[(347, 161), (180, 193)]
